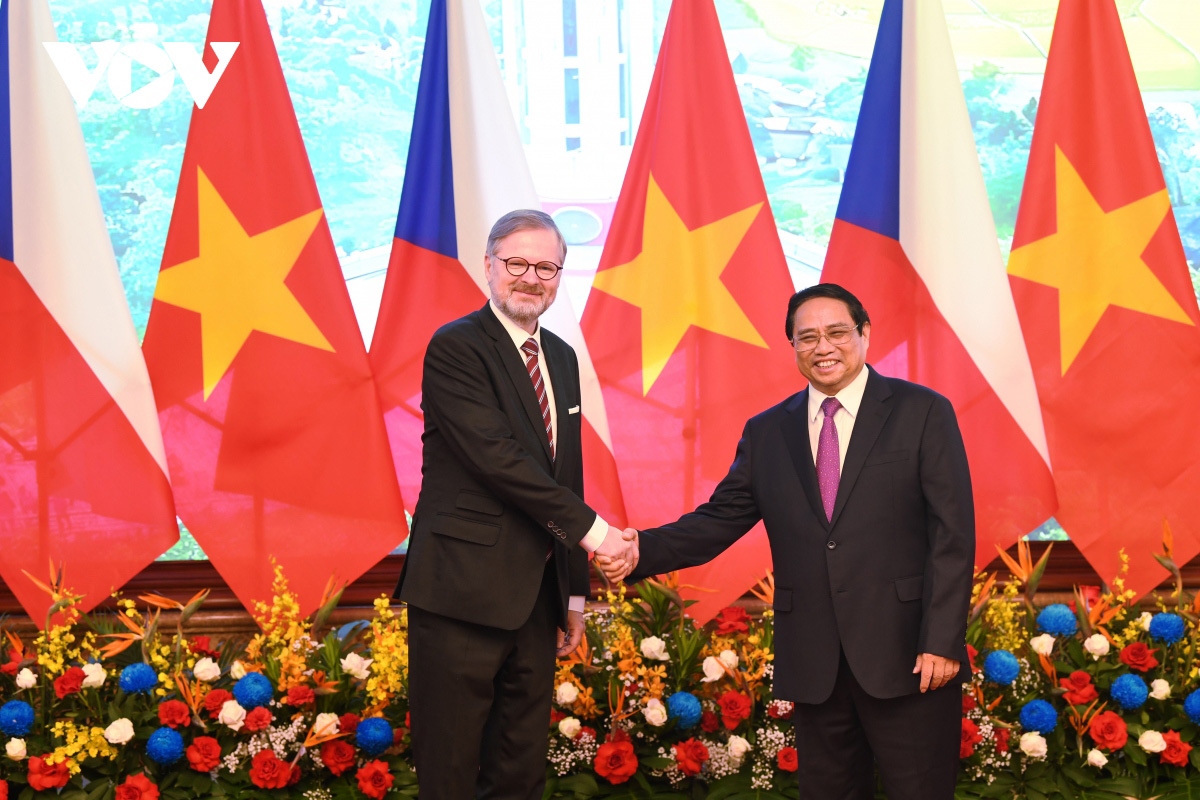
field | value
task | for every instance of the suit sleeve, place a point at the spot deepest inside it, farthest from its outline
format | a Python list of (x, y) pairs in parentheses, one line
[(949, 566), (461, 401), (702, 535)]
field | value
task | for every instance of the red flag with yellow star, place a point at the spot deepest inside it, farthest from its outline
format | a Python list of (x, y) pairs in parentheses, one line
[(1107, 307), (685, 321), (274, 435)]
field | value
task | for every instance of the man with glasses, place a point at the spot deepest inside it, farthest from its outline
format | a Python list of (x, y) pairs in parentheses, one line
[(496, 572), (863, 484)]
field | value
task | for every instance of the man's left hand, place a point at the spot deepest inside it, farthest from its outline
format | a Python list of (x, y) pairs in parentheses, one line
[(936, 671), (567, 642)]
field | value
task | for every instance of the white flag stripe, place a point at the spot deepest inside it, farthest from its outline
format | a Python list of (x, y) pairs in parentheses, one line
[(61, 243), (946, 225)]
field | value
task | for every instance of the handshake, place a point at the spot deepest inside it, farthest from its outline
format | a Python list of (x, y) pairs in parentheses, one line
[(617, 555)]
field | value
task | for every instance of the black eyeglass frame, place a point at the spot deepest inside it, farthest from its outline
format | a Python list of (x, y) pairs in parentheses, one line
[(537, 268)]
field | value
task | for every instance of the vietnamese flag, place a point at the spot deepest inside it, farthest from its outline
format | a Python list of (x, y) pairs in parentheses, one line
[(686, 318), (269, 412), (83, 474), (1107, 307)]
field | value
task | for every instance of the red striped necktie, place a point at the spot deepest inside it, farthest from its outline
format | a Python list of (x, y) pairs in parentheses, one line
[(530, 349)]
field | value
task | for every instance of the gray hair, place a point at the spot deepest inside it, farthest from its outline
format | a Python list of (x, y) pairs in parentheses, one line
[(523, 219)]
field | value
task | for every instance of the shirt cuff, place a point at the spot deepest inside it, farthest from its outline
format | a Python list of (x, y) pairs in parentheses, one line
[(595, 536), (576, 602)]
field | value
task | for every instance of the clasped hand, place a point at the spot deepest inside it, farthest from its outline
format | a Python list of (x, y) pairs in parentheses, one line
[(617, 555)]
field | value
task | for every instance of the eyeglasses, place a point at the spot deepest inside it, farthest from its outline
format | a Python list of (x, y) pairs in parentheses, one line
[(517, 266), (809, 341)]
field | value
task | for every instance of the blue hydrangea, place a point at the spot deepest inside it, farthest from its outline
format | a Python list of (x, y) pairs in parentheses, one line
[(1038, 715), (16, 718), (138, 678), (1057, 620), (1001, 667), (1166, 628), (1191, 706), (373, 735), (165, 746), (253, 690), (1129, 691), (684, 707)]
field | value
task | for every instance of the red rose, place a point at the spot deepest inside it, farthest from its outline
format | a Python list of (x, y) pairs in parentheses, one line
[(620, 735), (257, 719), (780, 709), (214, 700), (709, 722), (300, 696), (1176, 753), (786, 759), (70, 682), (268, 772), (204, 754), (202, 646), (968, 702), (13, 666), (690, 756), (348, 723), (615, 761), (732, 619), (374, 780), (556, 717), (337, 755), (174, 713), (1080, 690), (971, 653), (1001, 737), (1108, 731), (735, 707), (3, 790), (970, 738), (137, 787), (1138, 656), (43, 776), (585, 731)]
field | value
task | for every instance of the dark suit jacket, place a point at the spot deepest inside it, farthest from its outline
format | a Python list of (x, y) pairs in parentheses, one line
[(492, 501), (889, 578)]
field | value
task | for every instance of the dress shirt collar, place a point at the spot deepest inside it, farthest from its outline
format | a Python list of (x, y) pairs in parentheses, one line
[(518, 334), (850, 397)]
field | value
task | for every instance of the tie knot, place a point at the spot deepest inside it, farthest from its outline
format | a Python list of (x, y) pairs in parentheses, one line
[(530, 347), (830, 406)]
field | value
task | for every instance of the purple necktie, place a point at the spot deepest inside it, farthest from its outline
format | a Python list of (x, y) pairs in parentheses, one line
[(828, 457)]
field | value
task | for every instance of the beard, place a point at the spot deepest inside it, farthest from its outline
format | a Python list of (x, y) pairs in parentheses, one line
[(527, 307)]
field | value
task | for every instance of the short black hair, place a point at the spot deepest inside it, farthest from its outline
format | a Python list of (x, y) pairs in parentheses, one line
[(858, 314)]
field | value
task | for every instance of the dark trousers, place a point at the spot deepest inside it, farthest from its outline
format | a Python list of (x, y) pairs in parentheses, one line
[(479, 700), (913, 740)]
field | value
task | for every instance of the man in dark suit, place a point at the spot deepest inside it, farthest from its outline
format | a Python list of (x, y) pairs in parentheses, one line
[(496, 572), (863, 484)]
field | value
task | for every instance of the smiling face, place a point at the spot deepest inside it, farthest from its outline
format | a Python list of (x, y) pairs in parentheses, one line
[(526, 297), (828, 367)]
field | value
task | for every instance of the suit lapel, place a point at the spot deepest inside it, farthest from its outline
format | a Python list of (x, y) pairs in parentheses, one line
[(795, 435), (514, 365), (872, 415), (564, 395)]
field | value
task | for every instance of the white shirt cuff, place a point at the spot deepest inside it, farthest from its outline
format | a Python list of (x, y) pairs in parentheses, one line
[(595, 536), (576, 602)]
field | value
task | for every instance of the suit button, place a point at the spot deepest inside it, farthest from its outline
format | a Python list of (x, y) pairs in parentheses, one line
[(831, 545)]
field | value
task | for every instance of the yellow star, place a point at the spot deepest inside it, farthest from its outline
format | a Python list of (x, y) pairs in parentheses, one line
[(236, 284), (676, 281), (1095, 259)]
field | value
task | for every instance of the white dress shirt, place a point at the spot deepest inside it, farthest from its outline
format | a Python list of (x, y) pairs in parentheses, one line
[(851, 399)]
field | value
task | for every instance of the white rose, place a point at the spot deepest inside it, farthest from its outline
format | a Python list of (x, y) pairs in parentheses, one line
[(1160, 689), (566, 694), (655, 649), (1096, 758), (569, 727), (237, 671), (26, 679), (1043, 644), (1097, 645), (714, 670), (119, 732), (15, 748), (206, 670), (1143, 621), (1152, 742), (1033, 745), (728, 658), (232, 715), (655, 712), (357, 666), (326, 725), (94, 675), (738, 747)]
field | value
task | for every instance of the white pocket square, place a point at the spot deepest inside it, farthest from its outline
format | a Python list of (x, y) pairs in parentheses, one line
[(573, 410)]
